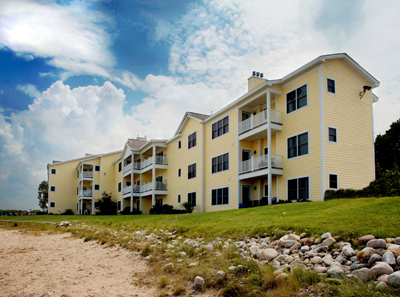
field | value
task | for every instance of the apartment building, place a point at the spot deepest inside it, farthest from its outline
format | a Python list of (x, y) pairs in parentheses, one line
[(285, 139)]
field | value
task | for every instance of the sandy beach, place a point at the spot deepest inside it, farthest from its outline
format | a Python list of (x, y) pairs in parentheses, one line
[(65, 266)]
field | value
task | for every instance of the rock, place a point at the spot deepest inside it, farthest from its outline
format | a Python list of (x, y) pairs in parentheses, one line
[(294, 237), (356, 266), (394, 279), (220, 275), (48, 294), (198, 283), (364, 274), (289, 259), (193, 264), (289, 243), (383, 278), (377, 243), (398, 260), (365, 254), (232, 268), (381, 285), (365, 239), (329, 241), (341, 259), (348, 251), (168, 267), (316, 260), (280, 258), (335, 271), (396, 240), (322, 249), (305, 248), (302, 235), (317, 241), (182, 254), (320, 269), (281, 277), (389, 258), (329, 261), (381, 268), (277, 272), (209, 247), (343, 244), (374, 258), (148, 258), (151, 240), (393, 247), (268, 254), (326, 235)]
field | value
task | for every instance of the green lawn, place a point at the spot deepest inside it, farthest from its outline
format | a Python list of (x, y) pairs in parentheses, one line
[(348, 218)]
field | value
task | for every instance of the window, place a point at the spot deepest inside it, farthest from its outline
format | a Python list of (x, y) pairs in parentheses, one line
[(330, 86), (97, 168), (192, 198), (159, 179), (333, 181), (119, 167), (192, 140), (297, 145), (96, 204), (220, 196), (77, 190), (53, 171), (266, 190), (179, 172), (296, 99), (298, 189), (179, 198), (220, 163), (52, 188), (119, 187), (77, 174), (97, 187), (192, 171), (119, 205), (220, 128), (179, 144), (265, 151), (52, 204), (159, 202), (332, 134)]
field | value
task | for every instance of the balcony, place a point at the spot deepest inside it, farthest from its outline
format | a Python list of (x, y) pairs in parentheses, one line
[(126, 190), (255, 127), (160, 160), (86, 193), (127, 168), (257, 166), (87, 174)]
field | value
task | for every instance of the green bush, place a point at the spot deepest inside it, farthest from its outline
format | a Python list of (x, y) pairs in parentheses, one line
[(106, 206), (188, 206), (127, 211), (165, 209), (68, 212)]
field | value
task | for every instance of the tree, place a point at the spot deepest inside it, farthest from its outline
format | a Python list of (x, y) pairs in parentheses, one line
[(387, 149), (188, 206), (106, 206), (43, 195)]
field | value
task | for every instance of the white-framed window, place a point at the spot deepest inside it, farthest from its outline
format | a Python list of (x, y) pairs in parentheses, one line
[(220, 163), (119, 166), (119, 187), (53, 171), (52, 204), (159, 202), (298, 188), (298, 145), (332, 134), (97, 187), (333, 179), (220, 196), (52, 188), (296, 99), (192, 140), (192, 171), (179, 198), (192, 198), (330, 85), (97, 168), (220, 128), (266, 190), (179, 145)]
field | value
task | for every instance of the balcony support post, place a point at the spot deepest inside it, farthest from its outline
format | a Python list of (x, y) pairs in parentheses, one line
[(269, 147), (153, 196), (92, 208), (132, 163)]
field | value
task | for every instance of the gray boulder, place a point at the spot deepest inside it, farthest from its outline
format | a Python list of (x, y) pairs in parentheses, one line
[(335, 271), (326, 235), (394, 279), (365, 239), (396, 240), (364, 274), (348, 251), (220, 274), (381, 268), (374, 258), (377, 243), (268, 254), (329, 241), (198, 283), (320, 269), (389, 258)]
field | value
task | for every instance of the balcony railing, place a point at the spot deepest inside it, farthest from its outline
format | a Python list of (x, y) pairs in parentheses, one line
[(149, 187), (136, 165), (161, 186), (161, 159), (259, 119), (136, 189), (261, 162), (127, 167), (149, 161), (126, 190), (87, 174), (146, 187), (86, 193), (146, 163)]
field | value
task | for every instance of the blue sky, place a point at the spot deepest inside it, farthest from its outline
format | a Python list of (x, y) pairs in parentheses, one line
[(81, 77)]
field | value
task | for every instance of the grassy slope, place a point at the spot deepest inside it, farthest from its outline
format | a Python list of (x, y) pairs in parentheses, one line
[(349, 218)]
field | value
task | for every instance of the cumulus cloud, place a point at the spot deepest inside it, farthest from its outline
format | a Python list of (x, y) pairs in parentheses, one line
[(29, 89)]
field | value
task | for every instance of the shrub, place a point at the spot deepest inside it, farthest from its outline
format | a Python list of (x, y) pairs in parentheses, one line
[(68, 212), (165, 209), (127, 211), (188, 207), (106, 206)]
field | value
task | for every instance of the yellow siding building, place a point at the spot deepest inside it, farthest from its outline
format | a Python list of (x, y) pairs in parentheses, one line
[(285, 139)]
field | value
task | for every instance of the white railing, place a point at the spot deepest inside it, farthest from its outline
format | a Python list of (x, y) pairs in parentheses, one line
[(161, 159), (259, 119), (136, 165), (127, 167), (146, 187), (126, 190), (86, 193), (261, 162), (88, 174), (161, 186), (136, 189), (146, 163)]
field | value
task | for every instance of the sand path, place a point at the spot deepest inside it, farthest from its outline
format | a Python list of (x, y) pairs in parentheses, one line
[(34, 265)]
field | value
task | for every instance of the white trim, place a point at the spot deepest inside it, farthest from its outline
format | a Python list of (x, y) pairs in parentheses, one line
[(180, 175), (326, 82), (51, 188), (373, 132), (229, 200), (308, 142), (299, 77), (187, 197), (298, 177), (306, 84), (238, 160), (327, 134), (265, 194), (241, 154), (321, 131), (229, 160), (202, 169), (227, 116), (188, 171), (55, 171), (188, 139), (329, 181)]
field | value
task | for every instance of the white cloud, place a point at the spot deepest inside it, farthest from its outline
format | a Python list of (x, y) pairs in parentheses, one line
[(29, 90)]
